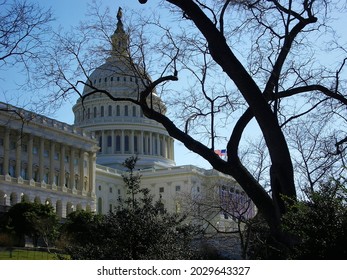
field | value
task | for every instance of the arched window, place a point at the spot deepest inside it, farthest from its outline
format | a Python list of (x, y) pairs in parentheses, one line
[(134, 111), (102, 111), (94, 112), (109, 141), (109, 110)]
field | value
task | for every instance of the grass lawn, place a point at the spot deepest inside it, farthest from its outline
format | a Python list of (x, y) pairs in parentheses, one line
[(27, 254)]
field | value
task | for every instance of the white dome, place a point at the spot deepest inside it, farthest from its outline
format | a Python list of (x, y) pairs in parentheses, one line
[(120, 126)]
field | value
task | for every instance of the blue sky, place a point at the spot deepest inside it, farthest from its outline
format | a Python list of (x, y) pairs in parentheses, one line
[(69, 13)]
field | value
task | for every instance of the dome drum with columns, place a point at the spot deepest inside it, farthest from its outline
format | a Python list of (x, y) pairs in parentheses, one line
[(120, 126)]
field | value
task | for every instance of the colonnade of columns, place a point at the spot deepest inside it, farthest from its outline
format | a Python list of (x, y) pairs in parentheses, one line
[(62, 206), (46, 160), (135, 142)]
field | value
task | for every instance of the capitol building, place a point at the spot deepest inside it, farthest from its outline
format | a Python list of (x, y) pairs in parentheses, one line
[(79, 166)]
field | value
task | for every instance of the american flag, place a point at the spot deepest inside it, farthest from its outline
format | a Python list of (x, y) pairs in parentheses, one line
[(221, 153)]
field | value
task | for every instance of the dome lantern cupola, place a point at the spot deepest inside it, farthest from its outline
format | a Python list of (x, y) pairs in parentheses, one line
[(120, 127)]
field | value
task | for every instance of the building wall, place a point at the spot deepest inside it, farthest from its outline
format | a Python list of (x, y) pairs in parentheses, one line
[(46, 161)]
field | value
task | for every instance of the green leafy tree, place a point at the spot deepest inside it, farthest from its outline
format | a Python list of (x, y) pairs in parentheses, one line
[(34, 220), (318, 226), (320, 223), (140, 229)]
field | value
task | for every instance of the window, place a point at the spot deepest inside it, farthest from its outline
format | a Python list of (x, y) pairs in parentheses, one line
[(109, 110), (99, 205), (118, 110), (45, 177), (109, 141), (46, 153), (56, 156), (117, 143), (134, 111), (100, 143), (135, 144), (35, 150), (12, 170), (155, 146), (111, 79), (102, 111), (88, 113), (110, 190), (126, 112), (105, 80), (1, 142), (24, 173), (25, 148), (161, 189), (126, 143), (99, 187), (178, 188), (95, 112), (12, 145), (56, 179)]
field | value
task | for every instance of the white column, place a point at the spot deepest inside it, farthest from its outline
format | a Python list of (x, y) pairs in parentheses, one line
[(81, 170), (141, 143), (132, 149), (18, 154), (51, 162), (112, 144), (6, 151), (122, 142), (91, 173), (62, 165), (150, 145), (158, 144), (172, 149), (165, 147), (41, 160), (72, 168), (103, 141), (30, 156)]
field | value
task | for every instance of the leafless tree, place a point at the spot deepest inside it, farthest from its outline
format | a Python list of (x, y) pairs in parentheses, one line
[(223, 211), (24, 28), (24, 36), (241, 61)]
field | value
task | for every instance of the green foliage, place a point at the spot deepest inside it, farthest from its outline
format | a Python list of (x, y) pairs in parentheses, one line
[(317, 228), (320, 224), (140, 229), (34, 220), (262, 244)]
